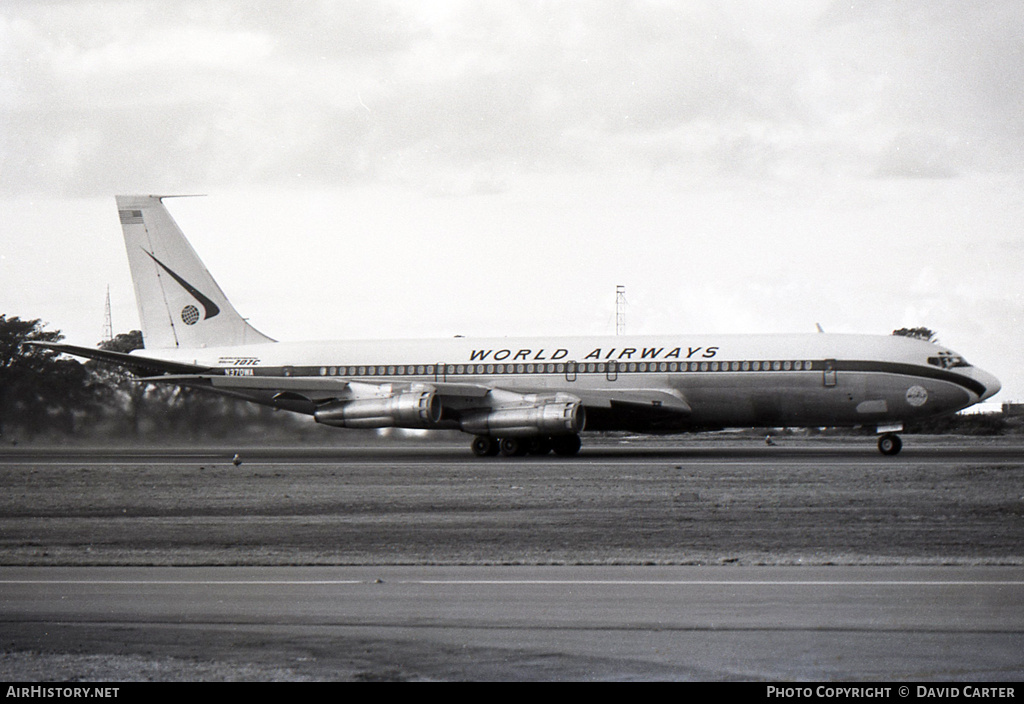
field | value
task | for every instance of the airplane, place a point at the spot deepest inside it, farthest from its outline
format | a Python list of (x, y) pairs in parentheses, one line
[(527, 395)]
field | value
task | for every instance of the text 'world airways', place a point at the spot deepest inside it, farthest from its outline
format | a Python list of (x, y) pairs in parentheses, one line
[(598, 353)]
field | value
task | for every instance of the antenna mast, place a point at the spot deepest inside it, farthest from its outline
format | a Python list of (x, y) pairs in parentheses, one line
[(108, 326), (620, 310)]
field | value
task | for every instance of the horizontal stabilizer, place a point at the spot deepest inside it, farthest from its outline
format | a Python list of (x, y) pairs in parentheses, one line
[(145, 366)]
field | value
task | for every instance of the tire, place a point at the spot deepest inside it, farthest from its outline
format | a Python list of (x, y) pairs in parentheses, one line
[(890, 444), (513, 447), (485, 446), (539, 446), (566, 445)]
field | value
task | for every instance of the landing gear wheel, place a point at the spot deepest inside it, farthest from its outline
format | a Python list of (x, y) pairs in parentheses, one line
[(485, 446), (890, 444), (513, 447), (539, 446), (566, 445)]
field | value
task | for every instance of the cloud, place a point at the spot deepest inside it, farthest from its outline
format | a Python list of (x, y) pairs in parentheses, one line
[(201, 93), (918, 155), (938, 81), (338, 92)]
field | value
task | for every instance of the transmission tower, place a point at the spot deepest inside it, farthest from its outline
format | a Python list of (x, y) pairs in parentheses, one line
[(108, 325), (620, 310)]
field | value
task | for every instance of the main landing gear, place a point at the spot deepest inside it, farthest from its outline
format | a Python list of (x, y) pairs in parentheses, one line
[(564, 445), (890, 444)]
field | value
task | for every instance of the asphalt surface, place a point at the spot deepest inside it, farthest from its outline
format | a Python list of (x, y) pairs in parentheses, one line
[(698, 561), (861, 450), (512, 623)]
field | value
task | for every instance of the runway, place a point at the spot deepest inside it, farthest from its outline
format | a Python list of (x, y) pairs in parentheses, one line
[(850, 450), (695, 561), (515, 623)]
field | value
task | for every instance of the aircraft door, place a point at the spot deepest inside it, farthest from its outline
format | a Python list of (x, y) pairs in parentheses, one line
[(612, 371), (829, 373), (440, 372), (570, 371)]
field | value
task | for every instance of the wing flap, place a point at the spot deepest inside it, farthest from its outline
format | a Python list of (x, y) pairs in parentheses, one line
[(665, 400), (319, 390), (278, 388), (253, 383)]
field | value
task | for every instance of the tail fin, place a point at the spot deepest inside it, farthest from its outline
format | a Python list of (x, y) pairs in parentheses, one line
[(180, 305)]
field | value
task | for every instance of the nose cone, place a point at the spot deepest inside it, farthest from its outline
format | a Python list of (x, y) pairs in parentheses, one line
[(990, 383)]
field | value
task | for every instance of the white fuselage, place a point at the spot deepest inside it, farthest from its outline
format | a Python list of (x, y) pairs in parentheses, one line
[(655, 383)]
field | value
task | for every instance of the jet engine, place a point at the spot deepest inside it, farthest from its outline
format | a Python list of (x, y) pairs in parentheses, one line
[(407, 409), (558, 417)]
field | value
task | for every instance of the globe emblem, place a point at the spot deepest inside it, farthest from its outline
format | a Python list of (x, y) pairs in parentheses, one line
[(917, 396), (190, 314)]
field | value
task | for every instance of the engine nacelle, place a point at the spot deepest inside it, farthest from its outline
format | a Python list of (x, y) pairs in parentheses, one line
[(553, 418), (409, 409)]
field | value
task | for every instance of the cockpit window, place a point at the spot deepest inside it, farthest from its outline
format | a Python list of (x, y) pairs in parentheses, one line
[(948, 360)]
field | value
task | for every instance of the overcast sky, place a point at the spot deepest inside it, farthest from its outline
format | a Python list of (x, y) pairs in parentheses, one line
[(425, 169)]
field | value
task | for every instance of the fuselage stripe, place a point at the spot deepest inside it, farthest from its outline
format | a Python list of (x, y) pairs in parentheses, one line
[(437, 372), (914, 370)]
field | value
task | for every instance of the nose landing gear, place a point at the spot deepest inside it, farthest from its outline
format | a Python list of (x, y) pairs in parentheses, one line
[(890, 444)]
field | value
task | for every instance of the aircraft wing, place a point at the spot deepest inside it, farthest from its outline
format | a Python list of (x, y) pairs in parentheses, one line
[(322, 389), (339, 388), (316, 389), (658, 408)]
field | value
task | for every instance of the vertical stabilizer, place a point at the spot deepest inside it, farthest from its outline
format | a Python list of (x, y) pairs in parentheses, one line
[(180, 305)]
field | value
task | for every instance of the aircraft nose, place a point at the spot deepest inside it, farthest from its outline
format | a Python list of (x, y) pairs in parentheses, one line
[(990, 383)]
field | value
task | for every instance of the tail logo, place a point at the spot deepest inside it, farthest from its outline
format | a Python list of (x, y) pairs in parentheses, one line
[(190, 314)]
